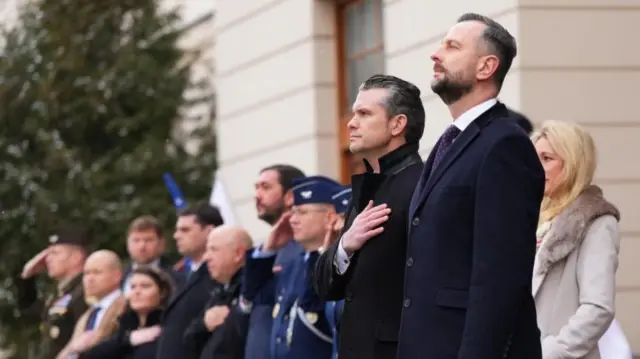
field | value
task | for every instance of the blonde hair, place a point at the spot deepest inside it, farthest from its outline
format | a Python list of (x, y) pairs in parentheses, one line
[(575, 146)]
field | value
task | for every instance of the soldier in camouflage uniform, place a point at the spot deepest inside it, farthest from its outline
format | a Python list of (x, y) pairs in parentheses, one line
[(63, 259)]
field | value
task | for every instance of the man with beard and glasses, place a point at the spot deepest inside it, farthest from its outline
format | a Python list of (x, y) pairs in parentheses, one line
[(273, 199), (365, 266), (474, 213)]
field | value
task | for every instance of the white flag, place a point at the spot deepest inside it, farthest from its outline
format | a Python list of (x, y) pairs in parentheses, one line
[(613, 344), (220, 199)]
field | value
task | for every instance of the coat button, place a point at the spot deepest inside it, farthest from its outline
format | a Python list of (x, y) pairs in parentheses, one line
[(415, 221), (410, 262), (407, 303)]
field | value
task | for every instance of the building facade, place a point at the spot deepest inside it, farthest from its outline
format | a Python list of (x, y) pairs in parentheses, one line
[(288, 70)]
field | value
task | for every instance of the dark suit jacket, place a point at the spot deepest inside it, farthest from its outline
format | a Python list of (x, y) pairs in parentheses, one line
[(119, 347), (228, 340), (471, 248), (372, 285), (185, 308)]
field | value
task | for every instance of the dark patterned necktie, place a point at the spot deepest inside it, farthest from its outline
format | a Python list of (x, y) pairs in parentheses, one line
[(445, 142), (93, 316)]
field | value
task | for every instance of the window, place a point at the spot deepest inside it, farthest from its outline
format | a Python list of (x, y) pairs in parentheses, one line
[(361, 54)]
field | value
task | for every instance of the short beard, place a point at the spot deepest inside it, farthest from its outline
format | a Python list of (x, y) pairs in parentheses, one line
[(271, 217), (451, 90)]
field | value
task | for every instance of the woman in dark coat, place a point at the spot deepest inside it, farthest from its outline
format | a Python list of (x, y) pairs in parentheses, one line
[(139, 327)]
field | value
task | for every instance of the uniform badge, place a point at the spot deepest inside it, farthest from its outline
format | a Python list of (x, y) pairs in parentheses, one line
[(311, 317), (276, 310), (54, 332), (60, 305), (63, 302)]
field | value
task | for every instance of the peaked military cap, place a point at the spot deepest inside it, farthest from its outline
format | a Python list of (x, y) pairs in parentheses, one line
[(313, 189)]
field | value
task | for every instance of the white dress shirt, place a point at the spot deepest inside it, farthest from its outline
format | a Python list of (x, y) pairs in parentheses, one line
[(341, 261)]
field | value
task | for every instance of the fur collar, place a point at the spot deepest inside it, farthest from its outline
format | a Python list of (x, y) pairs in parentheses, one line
[(569, 228)]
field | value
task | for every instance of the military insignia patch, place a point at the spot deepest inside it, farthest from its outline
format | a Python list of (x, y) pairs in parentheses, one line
[(312, 317), (60, 305), (63, 302), (54, 332), (276, 310)]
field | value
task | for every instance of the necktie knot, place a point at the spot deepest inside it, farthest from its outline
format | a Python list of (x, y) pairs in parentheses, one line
[(446, 140), (450, 134)]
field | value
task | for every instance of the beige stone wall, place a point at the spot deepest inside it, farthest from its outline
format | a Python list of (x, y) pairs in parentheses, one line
[(276, 94), (577, 61)]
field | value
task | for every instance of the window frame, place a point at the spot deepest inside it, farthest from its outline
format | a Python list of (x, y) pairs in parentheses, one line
[(347, 160)]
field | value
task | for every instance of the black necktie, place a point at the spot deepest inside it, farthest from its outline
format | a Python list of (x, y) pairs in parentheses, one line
[(445, 142), (91, 322)]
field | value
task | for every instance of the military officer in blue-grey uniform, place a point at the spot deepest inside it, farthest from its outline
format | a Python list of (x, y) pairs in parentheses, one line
[(300, 327), (333, 311)]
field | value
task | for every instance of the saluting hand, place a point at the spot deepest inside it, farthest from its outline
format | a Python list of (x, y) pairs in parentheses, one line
[(365, 226), (35, 265), (280, 235)]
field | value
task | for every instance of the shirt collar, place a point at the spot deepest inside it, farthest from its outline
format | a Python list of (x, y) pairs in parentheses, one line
[(109, 299), (390, 160), (66, 284), (464, 120), (195, 266)]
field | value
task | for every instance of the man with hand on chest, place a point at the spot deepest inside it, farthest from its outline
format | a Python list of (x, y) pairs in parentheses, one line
[(366, 266)]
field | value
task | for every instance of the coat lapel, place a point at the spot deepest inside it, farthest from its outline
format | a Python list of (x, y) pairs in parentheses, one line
[(193, 279), (456, 149), (431, 177), (424, 177), (110, 319)]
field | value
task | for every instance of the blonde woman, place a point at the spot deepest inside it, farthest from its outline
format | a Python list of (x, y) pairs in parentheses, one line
[(578, 243)]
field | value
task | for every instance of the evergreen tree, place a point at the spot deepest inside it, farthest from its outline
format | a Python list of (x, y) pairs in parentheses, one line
[(91, 94)]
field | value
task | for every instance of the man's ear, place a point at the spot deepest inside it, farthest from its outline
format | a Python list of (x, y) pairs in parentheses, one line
[(288, 199), (398, 124)]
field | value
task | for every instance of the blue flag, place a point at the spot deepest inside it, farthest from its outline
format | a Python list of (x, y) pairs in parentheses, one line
[(174, 191)]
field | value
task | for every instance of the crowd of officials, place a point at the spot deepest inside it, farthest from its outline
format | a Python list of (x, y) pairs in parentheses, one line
[(498, 246)]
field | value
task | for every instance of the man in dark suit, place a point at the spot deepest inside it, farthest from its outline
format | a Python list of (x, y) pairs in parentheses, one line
[(221, 330), (192, 228), (365, 267), (474, 213), (145, 245)]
